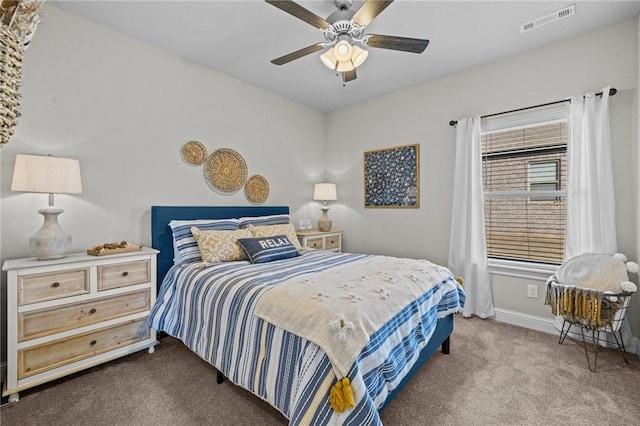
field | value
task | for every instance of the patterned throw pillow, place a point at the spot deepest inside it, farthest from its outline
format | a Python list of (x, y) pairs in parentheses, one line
[(274, 219), (185, 247), (220, 246), (273, 230), (268, 249)]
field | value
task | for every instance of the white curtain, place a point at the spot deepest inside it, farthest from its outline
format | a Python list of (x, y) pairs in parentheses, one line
[(591, 225), (467, 247)]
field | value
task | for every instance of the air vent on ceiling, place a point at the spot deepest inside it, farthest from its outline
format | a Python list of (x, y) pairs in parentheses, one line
[(552, 17)]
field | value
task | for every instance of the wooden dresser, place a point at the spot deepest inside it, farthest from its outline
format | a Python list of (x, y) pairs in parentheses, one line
[(331, 240), (73, 313)]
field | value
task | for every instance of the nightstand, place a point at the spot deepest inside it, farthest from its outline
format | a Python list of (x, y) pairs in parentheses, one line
[(69, 314), (314, 238)]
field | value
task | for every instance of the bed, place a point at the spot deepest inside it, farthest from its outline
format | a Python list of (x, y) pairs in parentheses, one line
[(219, 311)]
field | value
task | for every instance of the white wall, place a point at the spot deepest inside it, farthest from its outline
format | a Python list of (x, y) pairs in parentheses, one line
[(421, 114), (124, 109)]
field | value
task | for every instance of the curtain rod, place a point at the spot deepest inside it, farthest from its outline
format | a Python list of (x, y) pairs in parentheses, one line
[(612, 92)]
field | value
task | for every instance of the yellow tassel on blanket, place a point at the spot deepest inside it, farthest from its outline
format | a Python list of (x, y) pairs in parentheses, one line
[(349, 399), (341, 395)]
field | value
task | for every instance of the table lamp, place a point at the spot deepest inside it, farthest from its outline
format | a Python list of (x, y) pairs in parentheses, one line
[(325, 192), (49, 175)]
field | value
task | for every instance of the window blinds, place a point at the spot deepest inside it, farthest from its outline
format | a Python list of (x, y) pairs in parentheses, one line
[(524, 173)]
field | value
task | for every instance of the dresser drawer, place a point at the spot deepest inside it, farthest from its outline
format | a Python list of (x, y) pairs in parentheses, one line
[(332, 242), (54, 320), (123, 274), (45, 357), (34, 288), (314, 243)]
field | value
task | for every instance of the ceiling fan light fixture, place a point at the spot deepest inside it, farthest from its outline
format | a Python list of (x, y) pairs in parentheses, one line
[(329, 59), (343, 51), (358, 56)]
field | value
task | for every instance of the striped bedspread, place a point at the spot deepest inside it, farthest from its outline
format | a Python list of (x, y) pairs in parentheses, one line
[(211, 310)]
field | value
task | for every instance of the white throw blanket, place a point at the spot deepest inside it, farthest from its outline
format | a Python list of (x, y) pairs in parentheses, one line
[(340, 308)]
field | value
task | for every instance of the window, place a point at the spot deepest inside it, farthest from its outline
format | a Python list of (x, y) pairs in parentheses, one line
[(524, 176), (544, 176)]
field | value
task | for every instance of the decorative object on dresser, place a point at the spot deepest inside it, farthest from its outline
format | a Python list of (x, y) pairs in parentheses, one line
[(392, 177), (316, 239), (193, 153), (256, 189), (225, 171), (112, 248), (305, 225), (325, 192), (49, 175), (70, 314)]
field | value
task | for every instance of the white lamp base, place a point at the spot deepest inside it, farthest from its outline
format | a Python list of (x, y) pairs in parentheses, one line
[(324, 223), (50, 242)]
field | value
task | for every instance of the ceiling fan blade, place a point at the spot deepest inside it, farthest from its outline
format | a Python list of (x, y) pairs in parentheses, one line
[(300, 12), (298, 54), (405, 44), (349, 75), (369, 10)]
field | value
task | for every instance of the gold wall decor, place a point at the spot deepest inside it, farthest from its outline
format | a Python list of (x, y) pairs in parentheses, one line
[(193, 153), (256, 189), (225, 171)]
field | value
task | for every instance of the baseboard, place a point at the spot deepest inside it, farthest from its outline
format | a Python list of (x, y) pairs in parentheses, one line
[(547, 325), (525, 320)]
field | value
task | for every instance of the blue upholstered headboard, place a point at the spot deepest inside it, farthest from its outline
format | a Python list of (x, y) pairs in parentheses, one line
[(162, 239)]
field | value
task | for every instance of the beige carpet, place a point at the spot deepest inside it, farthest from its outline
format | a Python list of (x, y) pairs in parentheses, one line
[(496, 374)]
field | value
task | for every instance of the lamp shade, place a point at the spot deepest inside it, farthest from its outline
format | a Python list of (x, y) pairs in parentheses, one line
[(325, 192), (42, 173), (359, 56), (329, 59)]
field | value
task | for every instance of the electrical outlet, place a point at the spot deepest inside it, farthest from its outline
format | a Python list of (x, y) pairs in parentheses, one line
[(532, 291)]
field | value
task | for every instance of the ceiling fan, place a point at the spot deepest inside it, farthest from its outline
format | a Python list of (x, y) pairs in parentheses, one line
[(343, 30)]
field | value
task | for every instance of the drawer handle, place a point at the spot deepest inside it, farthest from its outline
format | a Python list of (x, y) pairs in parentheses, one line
[(55, 285), (93, 342), (125, 273), (92, 311)]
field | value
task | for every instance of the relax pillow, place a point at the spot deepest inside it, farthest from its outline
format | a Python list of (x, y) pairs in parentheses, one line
[(220, 246), (185, 247), (274, 230), (268, 249)]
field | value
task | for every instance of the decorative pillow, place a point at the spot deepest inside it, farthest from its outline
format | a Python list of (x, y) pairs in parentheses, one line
[(185, 247), (276, 219), (220, 246), (273, 230), (268, 249)]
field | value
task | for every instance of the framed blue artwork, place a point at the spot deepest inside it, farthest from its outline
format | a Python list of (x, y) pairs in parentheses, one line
[(392, 177)]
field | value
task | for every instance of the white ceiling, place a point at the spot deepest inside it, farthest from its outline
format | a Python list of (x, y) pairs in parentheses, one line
[(241, 37)]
